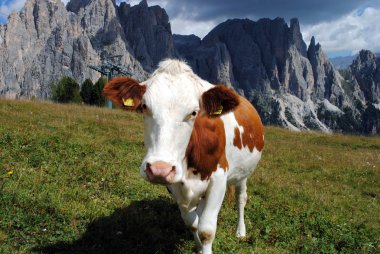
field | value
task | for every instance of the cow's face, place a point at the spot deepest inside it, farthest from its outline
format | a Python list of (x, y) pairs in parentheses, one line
[(170, 107)]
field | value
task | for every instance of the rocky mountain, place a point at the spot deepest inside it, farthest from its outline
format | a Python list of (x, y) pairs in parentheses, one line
[(343, 62), (47, 40), (270, 64), (363, 79), (290, 83)]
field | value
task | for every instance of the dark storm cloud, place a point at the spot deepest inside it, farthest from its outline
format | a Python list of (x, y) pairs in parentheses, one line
[(307, 11)]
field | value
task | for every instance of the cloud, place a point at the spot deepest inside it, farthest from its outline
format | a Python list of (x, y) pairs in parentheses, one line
[(308, 12), (8, 6), (357, 30)]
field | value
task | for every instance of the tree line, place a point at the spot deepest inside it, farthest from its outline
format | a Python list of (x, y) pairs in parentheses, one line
[(67, 90)]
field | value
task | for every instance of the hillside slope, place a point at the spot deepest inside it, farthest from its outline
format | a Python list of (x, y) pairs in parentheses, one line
[(69, 183)]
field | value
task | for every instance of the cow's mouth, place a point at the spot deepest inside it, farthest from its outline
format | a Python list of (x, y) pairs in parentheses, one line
[(160, 172)]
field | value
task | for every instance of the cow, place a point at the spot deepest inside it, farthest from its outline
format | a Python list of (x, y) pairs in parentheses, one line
[(200, 138)]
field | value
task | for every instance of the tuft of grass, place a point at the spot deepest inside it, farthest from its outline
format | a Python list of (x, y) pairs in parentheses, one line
[(75, 188)]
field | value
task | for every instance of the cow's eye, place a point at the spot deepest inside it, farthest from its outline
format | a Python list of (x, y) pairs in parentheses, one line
[(191, 116), (143, 106)]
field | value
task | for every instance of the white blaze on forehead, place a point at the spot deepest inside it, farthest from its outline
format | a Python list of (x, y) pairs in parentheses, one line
[(178, 76), (173, 95)]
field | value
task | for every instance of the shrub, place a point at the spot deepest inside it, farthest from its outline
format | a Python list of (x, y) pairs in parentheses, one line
[(67, 90), (93, 93), (98, 91), (87, 91)]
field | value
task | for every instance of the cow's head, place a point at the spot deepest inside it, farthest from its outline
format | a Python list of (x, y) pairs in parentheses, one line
[(171, 101)]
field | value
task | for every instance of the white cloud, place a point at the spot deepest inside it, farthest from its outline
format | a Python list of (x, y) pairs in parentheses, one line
[(7, 8), (358, 30)]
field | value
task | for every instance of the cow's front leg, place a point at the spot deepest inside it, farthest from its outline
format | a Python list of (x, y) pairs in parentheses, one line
[(212, 203), (189, 212), (191, 220)]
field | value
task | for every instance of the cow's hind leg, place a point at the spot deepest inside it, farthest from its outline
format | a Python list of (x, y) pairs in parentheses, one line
[(241, 201)]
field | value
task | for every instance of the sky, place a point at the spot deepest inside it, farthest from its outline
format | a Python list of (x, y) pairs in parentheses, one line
[(342, 27)]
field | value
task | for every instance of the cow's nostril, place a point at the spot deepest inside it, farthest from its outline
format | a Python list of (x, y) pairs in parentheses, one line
[(160, 172), (147, 166)]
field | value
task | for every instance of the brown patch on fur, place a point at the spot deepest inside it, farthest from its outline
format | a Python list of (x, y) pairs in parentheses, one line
[(193, 229), (124, 87), (223, 163), (206, 236), (253, 134), (237, 138), (206, 149), (219, 95)]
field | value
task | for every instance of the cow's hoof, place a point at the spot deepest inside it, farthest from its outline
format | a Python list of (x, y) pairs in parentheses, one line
[(241, 235)]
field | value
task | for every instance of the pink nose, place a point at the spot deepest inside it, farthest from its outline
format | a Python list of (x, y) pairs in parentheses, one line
[(160, 172)]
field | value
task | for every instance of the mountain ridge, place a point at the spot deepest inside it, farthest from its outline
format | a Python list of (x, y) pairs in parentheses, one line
[(291, 84), (343, 62)]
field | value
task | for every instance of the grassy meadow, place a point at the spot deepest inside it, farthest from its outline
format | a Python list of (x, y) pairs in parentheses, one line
[(69, 183)]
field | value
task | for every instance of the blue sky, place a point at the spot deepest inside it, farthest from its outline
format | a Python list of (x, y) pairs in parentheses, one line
[(342, 27)]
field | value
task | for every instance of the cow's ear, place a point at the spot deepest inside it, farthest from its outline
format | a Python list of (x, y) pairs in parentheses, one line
[(219, 100), (124, 92)]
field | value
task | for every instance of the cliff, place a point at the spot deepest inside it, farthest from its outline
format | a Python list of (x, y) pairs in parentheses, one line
[(291, 84)]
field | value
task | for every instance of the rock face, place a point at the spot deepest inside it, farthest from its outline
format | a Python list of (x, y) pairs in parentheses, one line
[(148, 32), (266, 60), (365, 71), (269, 63), (46, 41), (33, 42), (363, 77)]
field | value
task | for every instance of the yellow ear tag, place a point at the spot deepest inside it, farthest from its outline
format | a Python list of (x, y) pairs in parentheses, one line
[(218, 111), (128, 102)]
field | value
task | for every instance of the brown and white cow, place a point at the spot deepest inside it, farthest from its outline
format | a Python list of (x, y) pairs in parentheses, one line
[(199, 138)]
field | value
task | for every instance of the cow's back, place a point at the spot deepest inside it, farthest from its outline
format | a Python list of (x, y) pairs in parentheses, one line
[(244, 140)]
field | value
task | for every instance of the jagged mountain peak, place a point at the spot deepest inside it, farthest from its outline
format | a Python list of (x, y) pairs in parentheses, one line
[(265, 60), (143, 3), (366, 57), (365, 70), (296, 36)]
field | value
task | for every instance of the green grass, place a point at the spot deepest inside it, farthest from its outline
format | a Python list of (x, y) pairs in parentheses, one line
[(76, 188)]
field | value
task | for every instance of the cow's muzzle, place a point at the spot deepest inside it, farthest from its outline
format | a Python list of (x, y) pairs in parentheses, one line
[(160, 172)]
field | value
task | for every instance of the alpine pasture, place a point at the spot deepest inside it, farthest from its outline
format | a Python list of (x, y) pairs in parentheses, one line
[(70, 183)]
